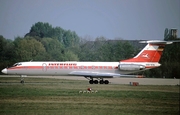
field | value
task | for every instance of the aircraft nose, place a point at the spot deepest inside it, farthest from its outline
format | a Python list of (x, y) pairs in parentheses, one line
[(4, 71)]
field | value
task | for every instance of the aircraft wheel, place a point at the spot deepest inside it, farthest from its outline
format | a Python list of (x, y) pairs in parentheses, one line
[(95, 81), (90, 81), (101, 82), (22, 81), (106, 82)]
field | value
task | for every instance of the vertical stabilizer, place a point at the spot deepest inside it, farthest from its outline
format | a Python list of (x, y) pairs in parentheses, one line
[(150, 53)]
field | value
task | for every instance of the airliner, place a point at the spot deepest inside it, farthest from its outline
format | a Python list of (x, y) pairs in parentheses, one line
[(147, 58)]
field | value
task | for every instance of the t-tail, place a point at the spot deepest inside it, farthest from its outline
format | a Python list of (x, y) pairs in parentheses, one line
[(149, 56)]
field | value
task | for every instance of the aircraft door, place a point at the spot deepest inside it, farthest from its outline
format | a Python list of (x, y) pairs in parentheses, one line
[(44, 67)]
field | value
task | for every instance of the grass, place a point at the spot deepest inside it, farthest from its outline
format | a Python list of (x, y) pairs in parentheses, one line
[(55, 96)]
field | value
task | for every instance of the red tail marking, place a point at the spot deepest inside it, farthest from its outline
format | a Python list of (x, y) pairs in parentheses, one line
[(148, 54)]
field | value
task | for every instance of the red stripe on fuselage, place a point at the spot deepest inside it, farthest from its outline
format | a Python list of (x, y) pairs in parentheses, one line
[(62, 67), (25, 67), (149, 67)]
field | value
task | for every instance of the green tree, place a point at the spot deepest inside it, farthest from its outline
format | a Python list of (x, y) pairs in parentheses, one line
[(54, 49), (29, 49), (106, 50), (7, 52), (70, 56), (85, 52), (171, 61), (70, 39), (56, 33), (40, 29)]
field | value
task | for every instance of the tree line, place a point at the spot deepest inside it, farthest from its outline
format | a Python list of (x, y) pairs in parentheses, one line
[(46, 43)]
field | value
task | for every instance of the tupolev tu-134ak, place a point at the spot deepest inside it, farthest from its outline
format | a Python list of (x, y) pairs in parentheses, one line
[(147, 58)]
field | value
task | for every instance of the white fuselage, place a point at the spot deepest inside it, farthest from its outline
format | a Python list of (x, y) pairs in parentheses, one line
[(65, 68)]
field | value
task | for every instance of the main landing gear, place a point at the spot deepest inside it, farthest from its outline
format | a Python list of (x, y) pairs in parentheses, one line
[(101, 81)]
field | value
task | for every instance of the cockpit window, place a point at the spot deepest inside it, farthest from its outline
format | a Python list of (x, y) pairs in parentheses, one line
[(17, 64)]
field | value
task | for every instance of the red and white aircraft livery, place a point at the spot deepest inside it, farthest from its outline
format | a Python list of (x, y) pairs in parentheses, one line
[(148, 58)]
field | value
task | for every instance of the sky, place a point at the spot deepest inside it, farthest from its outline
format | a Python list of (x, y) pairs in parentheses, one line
[(125, 19)]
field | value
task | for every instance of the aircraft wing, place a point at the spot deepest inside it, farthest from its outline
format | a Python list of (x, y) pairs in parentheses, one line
[(98, 74)]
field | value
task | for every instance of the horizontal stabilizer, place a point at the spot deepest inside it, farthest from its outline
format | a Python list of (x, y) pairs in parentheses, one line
[(159, 42)]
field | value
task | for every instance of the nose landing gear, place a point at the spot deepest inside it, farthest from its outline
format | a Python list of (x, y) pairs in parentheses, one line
[(22, 78)]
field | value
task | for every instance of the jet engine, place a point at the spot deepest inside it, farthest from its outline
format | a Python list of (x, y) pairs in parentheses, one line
[(130, 67)]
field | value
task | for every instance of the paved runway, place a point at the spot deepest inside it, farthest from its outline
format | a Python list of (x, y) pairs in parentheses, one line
[(141, 81)]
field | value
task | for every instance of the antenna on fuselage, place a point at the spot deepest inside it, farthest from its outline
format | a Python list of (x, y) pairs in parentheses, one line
[(31, 60)]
